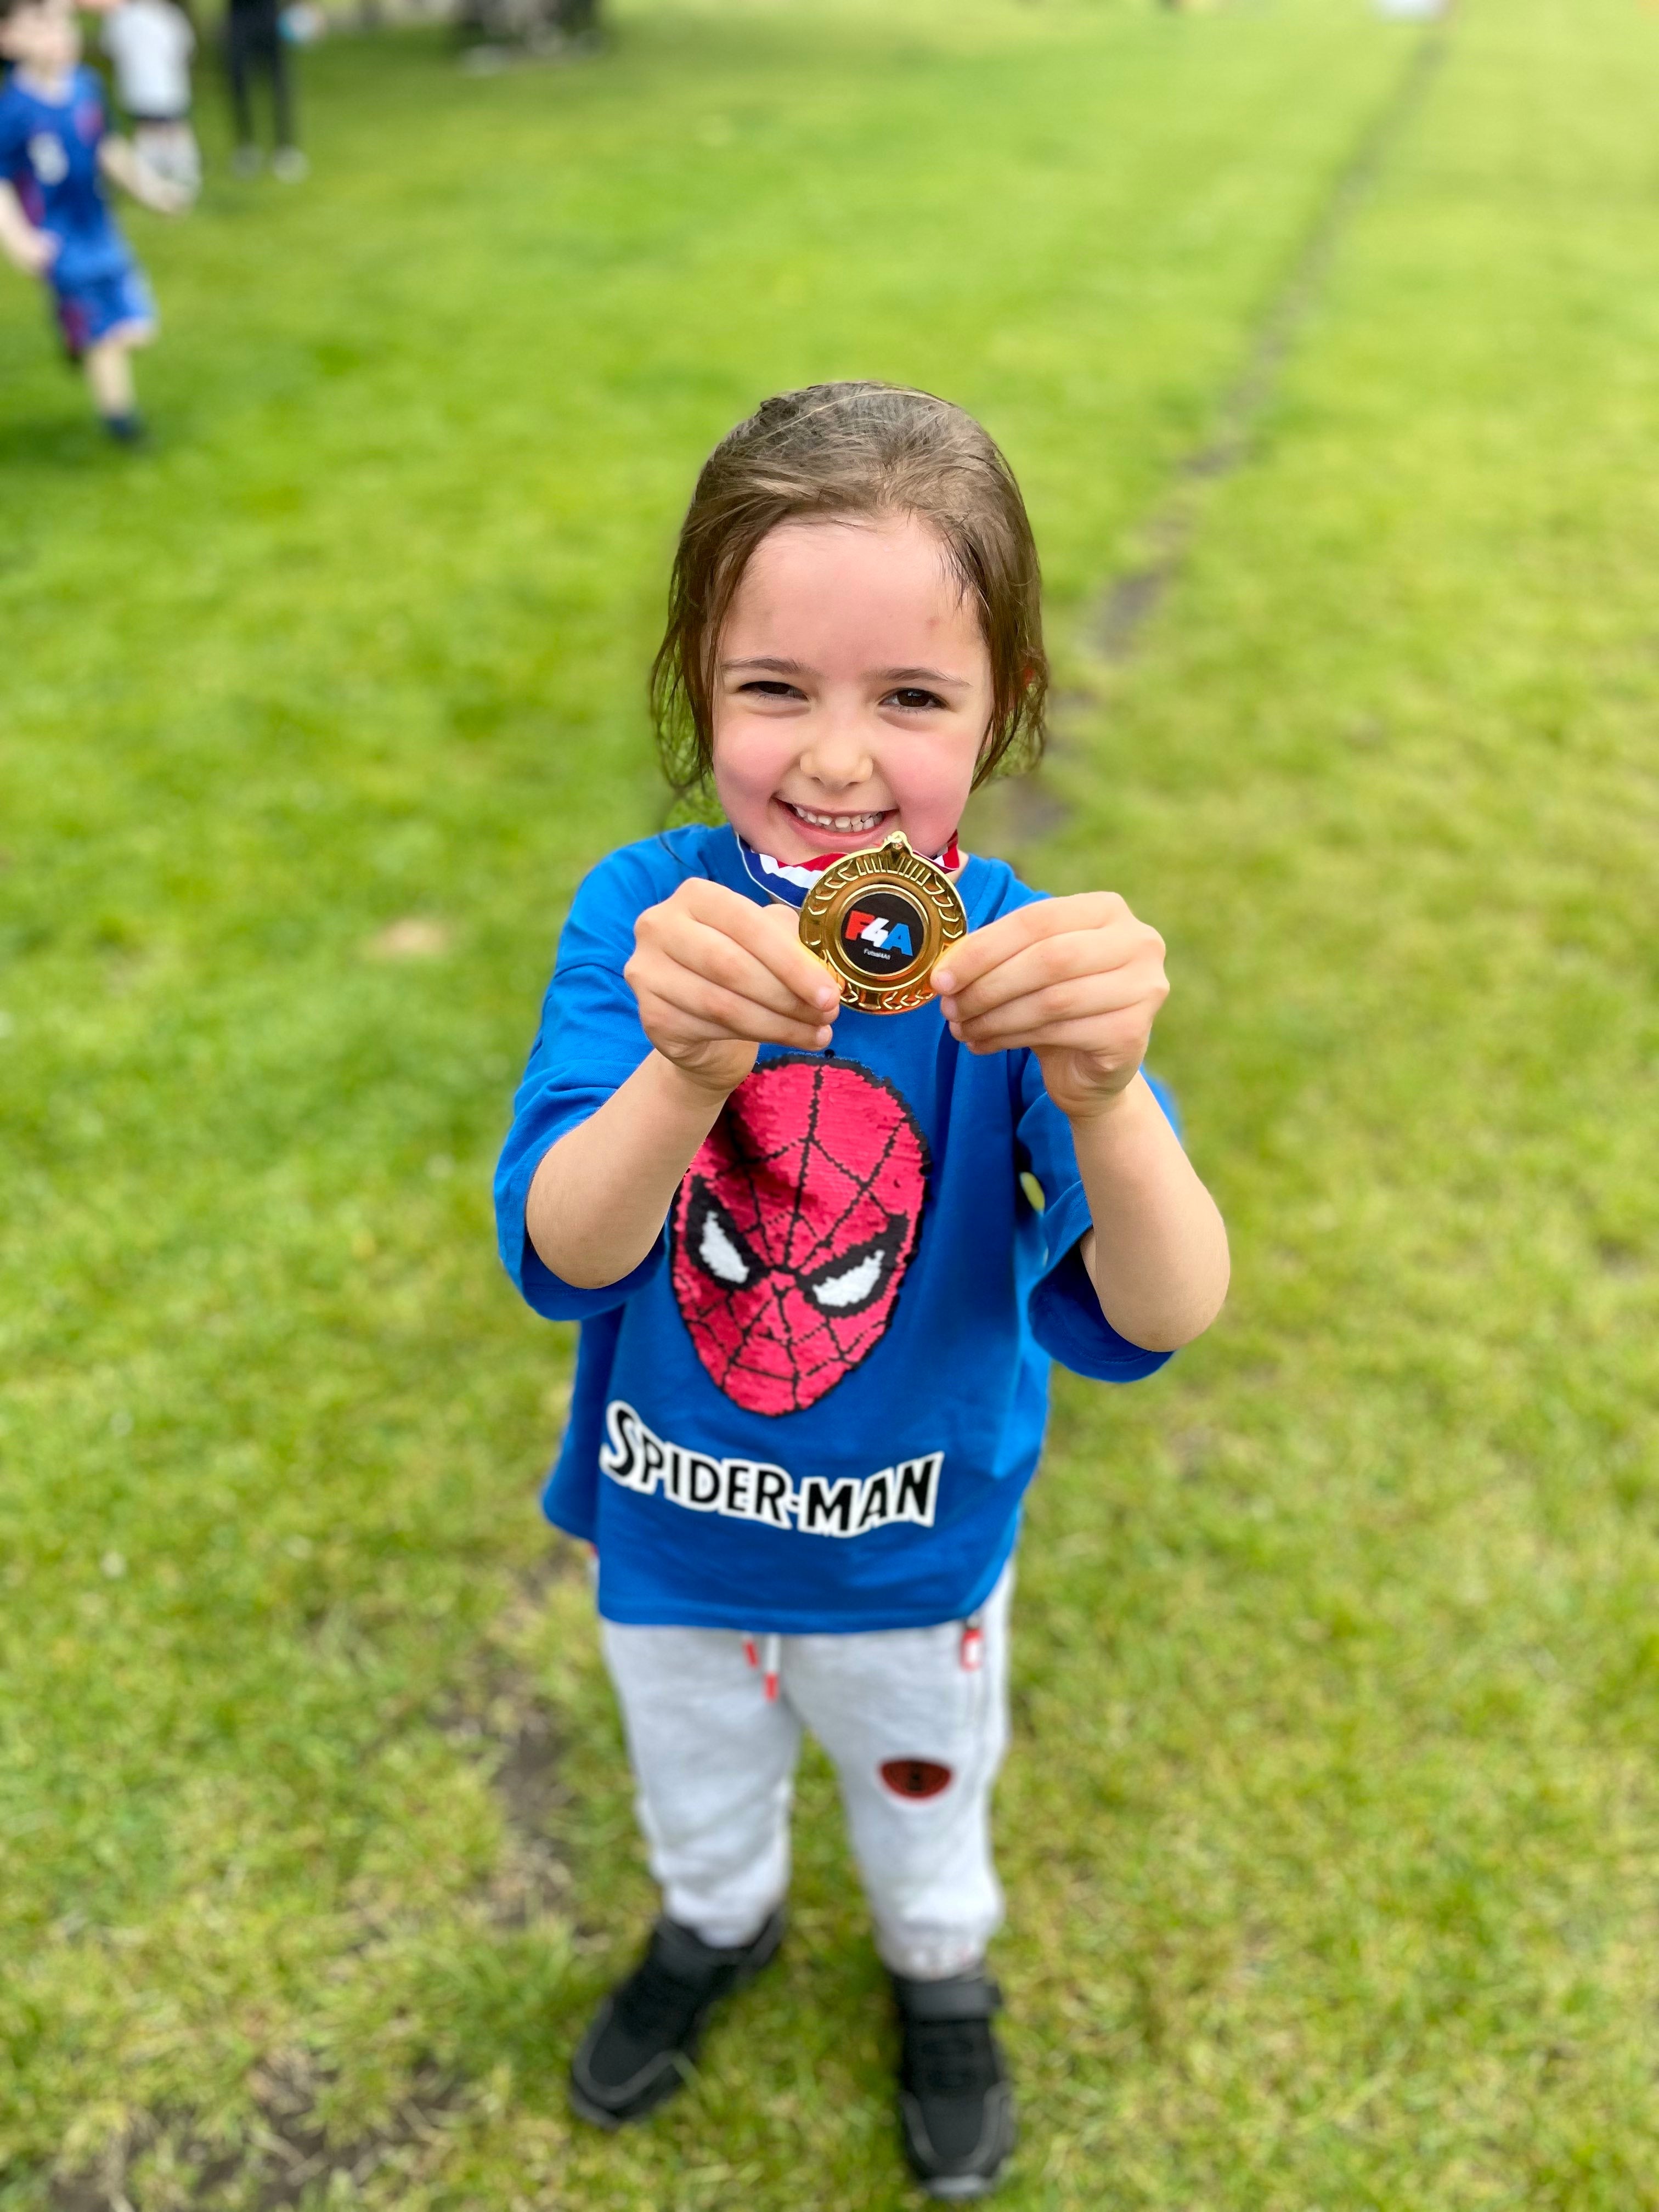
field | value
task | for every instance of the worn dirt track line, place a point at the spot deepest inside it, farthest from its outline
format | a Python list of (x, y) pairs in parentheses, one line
[(1131, 601), (1016, 814)]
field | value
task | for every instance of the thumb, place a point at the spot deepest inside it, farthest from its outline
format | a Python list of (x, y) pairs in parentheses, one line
[(803, 971)]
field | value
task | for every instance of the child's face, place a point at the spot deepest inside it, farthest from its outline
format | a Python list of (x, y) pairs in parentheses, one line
[(852, 691), (43, 40)]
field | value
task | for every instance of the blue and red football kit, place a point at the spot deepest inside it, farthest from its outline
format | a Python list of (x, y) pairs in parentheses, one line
[(49, 156)]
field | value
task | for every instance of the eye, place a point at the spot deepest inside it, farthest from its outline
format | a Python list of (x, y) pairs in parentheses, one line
[(854, 1280), (913, 700), (853, 1284), (768, 687), (715, 1242)]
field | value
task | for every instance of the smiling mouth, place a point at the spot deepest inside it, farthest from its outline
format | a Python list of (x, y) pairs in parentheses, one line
[(839, 825)]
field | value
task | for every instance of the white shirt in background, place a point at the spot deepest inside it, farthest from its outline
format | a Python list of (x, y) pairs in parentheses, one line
[(150, 43)]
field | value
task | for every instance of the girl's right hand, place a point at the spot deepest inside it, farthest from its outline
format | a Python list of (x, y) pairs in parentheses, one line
[(717, 976)]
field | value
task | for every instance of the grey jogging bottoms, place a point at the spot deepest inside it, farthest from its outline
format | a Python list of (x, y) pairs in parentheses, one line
[(916, 1721)]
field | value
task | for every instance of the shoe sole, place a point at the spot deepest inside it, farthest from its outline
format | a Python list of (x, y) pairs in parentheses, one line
[(963, 2188), (600, 2116), (674, 2078)]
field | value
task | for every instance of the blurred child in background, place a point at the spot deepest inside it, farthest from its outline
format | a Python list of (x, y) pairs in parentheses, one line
[(55, 223), (254, 46), (150, 43)]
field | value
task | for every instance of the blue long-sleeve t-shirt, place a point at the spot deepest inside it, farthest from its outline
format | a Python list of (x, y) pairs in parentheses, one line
[(817, 1404)]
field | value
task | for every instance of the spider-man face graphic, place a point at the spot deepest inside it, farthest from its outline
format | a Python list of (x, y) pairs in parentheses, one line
[(792, 1229)]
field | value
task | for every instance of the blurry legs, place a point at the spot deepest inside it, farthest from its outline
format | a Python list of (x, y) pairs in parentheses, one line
[(254, 48), (109, 373), (237, 55), (171, 150), (282, 92)]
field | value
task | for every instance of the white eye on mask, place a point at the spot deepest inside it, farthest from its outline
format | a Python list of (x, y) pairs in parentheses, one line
[(720, 1249)]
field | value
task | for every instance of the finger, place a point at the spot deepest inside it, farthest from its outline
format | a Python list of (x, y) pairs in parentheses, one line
[(804, 973), (722, 959), (719, 1012), (982, 950), (771, 933), (1083, 1036), (1056, 961), (1123, 1030), (1078, 1036), (730, 1013), (768, 934), (1082, 997)]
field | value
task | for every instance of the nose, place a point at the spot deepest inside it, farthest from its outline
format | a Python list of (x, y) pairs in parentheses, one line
[(837, 754)]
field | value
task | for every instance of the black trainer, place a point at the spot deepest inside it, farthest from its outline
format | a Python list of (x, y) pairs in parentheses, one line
[(644, 2037), (955, 2103)]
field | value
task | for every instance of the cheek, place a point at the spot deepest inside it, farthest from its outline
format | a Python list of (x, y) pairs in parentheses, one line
[(930, 778), (751, 758)]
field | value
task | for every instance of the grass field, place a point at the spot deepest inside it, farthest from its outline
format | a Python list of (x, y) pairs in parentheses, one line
[(1331, 1830)]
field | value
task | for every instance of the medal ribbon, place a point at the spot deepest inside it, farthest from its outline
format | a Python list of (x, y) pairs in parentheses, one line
[(791, 881)]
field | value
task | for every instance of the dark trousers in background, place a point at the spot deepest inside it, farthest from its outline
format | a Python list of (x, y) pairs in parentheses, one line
[(254, 48)]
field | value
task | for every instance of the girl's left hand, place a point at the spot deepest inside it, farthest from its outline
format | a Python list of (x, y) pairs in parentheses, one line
[(1078, 981)]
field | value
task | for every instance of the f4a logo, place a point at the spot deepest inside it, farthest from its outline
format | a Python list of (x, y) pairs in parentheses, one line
[(873, 929)]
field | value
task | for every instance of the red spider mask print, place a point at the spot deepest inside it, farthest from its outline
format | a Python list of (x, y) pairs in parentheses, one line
[(792, 1229)]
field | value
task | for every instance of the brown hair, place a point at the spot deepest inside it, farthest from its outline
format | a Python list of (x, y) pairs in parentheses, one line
[(835, 450)]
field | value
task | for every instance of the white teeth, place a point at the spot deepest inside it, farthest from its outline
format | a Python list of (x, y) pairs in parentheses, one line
[(844, 823)]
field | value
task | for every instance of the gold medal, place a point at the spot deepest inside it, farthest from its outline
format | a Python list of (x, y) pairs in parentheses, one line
[(881, 920)]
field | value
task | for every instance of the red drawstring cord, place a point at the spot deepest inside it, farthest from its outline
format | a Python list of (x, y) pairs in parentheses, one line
[(770, 1654)]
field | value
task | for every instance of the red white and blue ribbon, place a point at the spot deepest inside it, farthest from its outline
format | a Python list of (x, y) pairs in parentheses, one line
[(790, 881)]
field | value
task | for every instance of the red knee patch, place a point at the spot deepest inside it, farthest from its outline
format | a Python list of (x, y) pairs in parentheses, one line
[(916, 1778)]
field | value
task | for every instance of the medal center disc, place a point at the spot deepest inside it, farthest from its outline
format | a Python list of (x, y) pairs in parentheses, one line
[(883, 933), (881, 920)]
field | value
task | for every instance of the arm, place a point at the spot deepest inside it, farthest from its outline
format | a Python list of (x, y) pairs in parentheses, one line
[(1078, 982), (1158, 1255), (118, 159), (715, 976), (24, 246)]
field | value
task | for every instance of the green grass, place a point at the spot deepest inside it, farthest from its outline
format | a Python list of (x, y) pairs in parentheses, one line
[(1331, 1826)]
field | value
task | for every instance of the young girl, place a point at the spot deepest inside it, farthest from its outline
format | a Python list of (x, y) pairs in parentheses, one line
[(823, 1257)]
